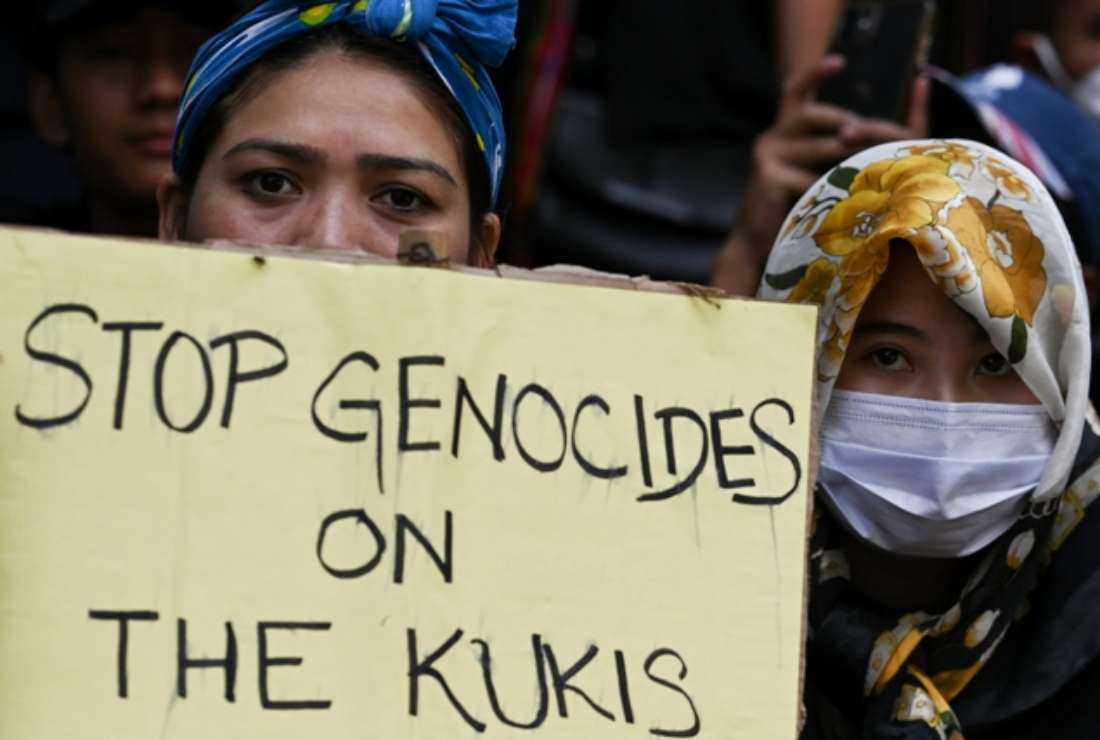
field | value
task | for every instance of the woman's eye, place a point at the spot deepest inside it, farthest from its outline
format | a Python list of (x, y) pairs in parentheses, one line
[(403, 199), (994, 364), (271, 185), (889, 358)]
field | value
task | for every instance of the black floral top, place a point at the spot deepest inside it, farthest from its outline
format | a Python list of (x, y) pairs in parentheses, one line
[(1014, 657)]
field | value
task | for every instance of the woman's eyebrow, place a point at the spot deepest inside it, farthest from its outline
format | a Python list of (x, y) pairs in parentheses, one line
[(298, 152), (890, 327), (389, 162)]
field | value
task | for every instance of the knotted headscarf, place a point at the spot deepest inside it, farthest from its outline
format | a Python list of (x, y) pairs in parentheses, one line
[(457, 38), (990, 237)]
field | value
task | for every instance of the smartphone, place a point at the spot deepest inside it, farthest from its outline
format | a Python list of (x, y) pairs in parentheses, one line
[(885, 44)]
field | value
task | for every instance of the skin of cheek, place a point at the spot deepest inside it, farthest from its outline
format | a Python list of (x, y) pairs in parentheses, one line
[(214, 213), (324, 105)]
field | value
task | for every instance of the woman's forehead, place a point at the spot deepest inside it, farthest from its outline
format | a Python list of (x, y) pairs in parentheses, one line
[(907, 295), (346, 106)]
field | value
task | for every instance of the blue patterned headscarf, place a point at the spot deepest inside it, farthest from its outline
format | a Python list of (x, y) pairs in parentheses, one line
[(456, 37)]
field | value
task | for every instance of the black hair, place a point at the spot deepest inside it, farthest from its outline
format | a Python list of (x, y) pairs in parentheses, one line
[(402, 58), (42, 46)]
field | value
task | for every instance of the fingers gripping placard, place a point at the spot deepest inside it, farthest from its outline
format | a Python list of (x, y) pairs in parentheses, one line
[(284, 498)]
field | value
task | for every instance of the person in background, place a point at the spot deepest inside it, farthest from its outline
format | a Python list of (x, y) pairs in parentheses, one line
[(343, 126), (104, 85), (1060, 40), (635, 121), (953, 567), (807, 137)]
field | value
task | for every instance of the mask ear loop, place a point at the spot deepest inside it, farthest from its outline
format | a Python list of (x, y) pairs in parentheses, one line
[(1051, 62)]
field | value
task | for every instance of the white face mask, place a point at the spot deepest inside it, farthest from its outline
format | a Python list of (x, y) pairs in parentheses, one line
[(930, 478), (1084, 91)]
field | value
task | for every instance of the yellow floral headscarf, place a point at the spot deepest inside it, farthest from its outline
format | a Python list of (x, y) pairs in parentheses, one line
[(991, 238), (987, 233)]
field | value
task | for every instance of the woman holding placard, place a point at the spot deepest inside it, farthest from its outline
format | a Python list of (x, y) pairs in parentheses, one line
[(954, 574), (344, 125)]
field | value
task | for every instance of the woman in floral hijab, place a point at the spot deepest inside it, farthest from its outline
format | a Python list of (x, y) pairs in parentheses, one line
[(955, 582)]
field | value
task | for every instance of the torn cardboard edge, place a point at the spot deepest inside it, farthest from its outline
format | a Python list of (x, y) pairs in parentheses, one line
[(424, 249)]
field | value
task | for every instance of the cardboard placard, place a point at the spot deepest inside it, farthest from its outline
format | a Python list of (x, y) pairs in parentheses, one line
[(247, 496)]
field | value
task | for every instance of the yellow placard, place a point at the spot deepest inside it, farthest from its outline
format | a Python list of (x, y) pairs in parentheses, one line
[(285, 498)]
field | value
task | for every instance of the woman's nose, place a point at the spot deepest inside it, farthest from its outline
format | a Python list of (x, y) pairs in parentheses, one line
[(953, 387), (335, 221)]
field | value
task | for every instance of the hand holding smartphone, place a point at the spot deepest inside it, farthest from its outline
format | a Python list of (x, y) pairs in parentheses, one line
[(885, 44)]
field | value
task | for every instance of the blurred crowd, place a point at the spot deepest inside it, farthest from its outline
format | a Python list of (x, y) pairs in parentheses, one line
[(644, 137)]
